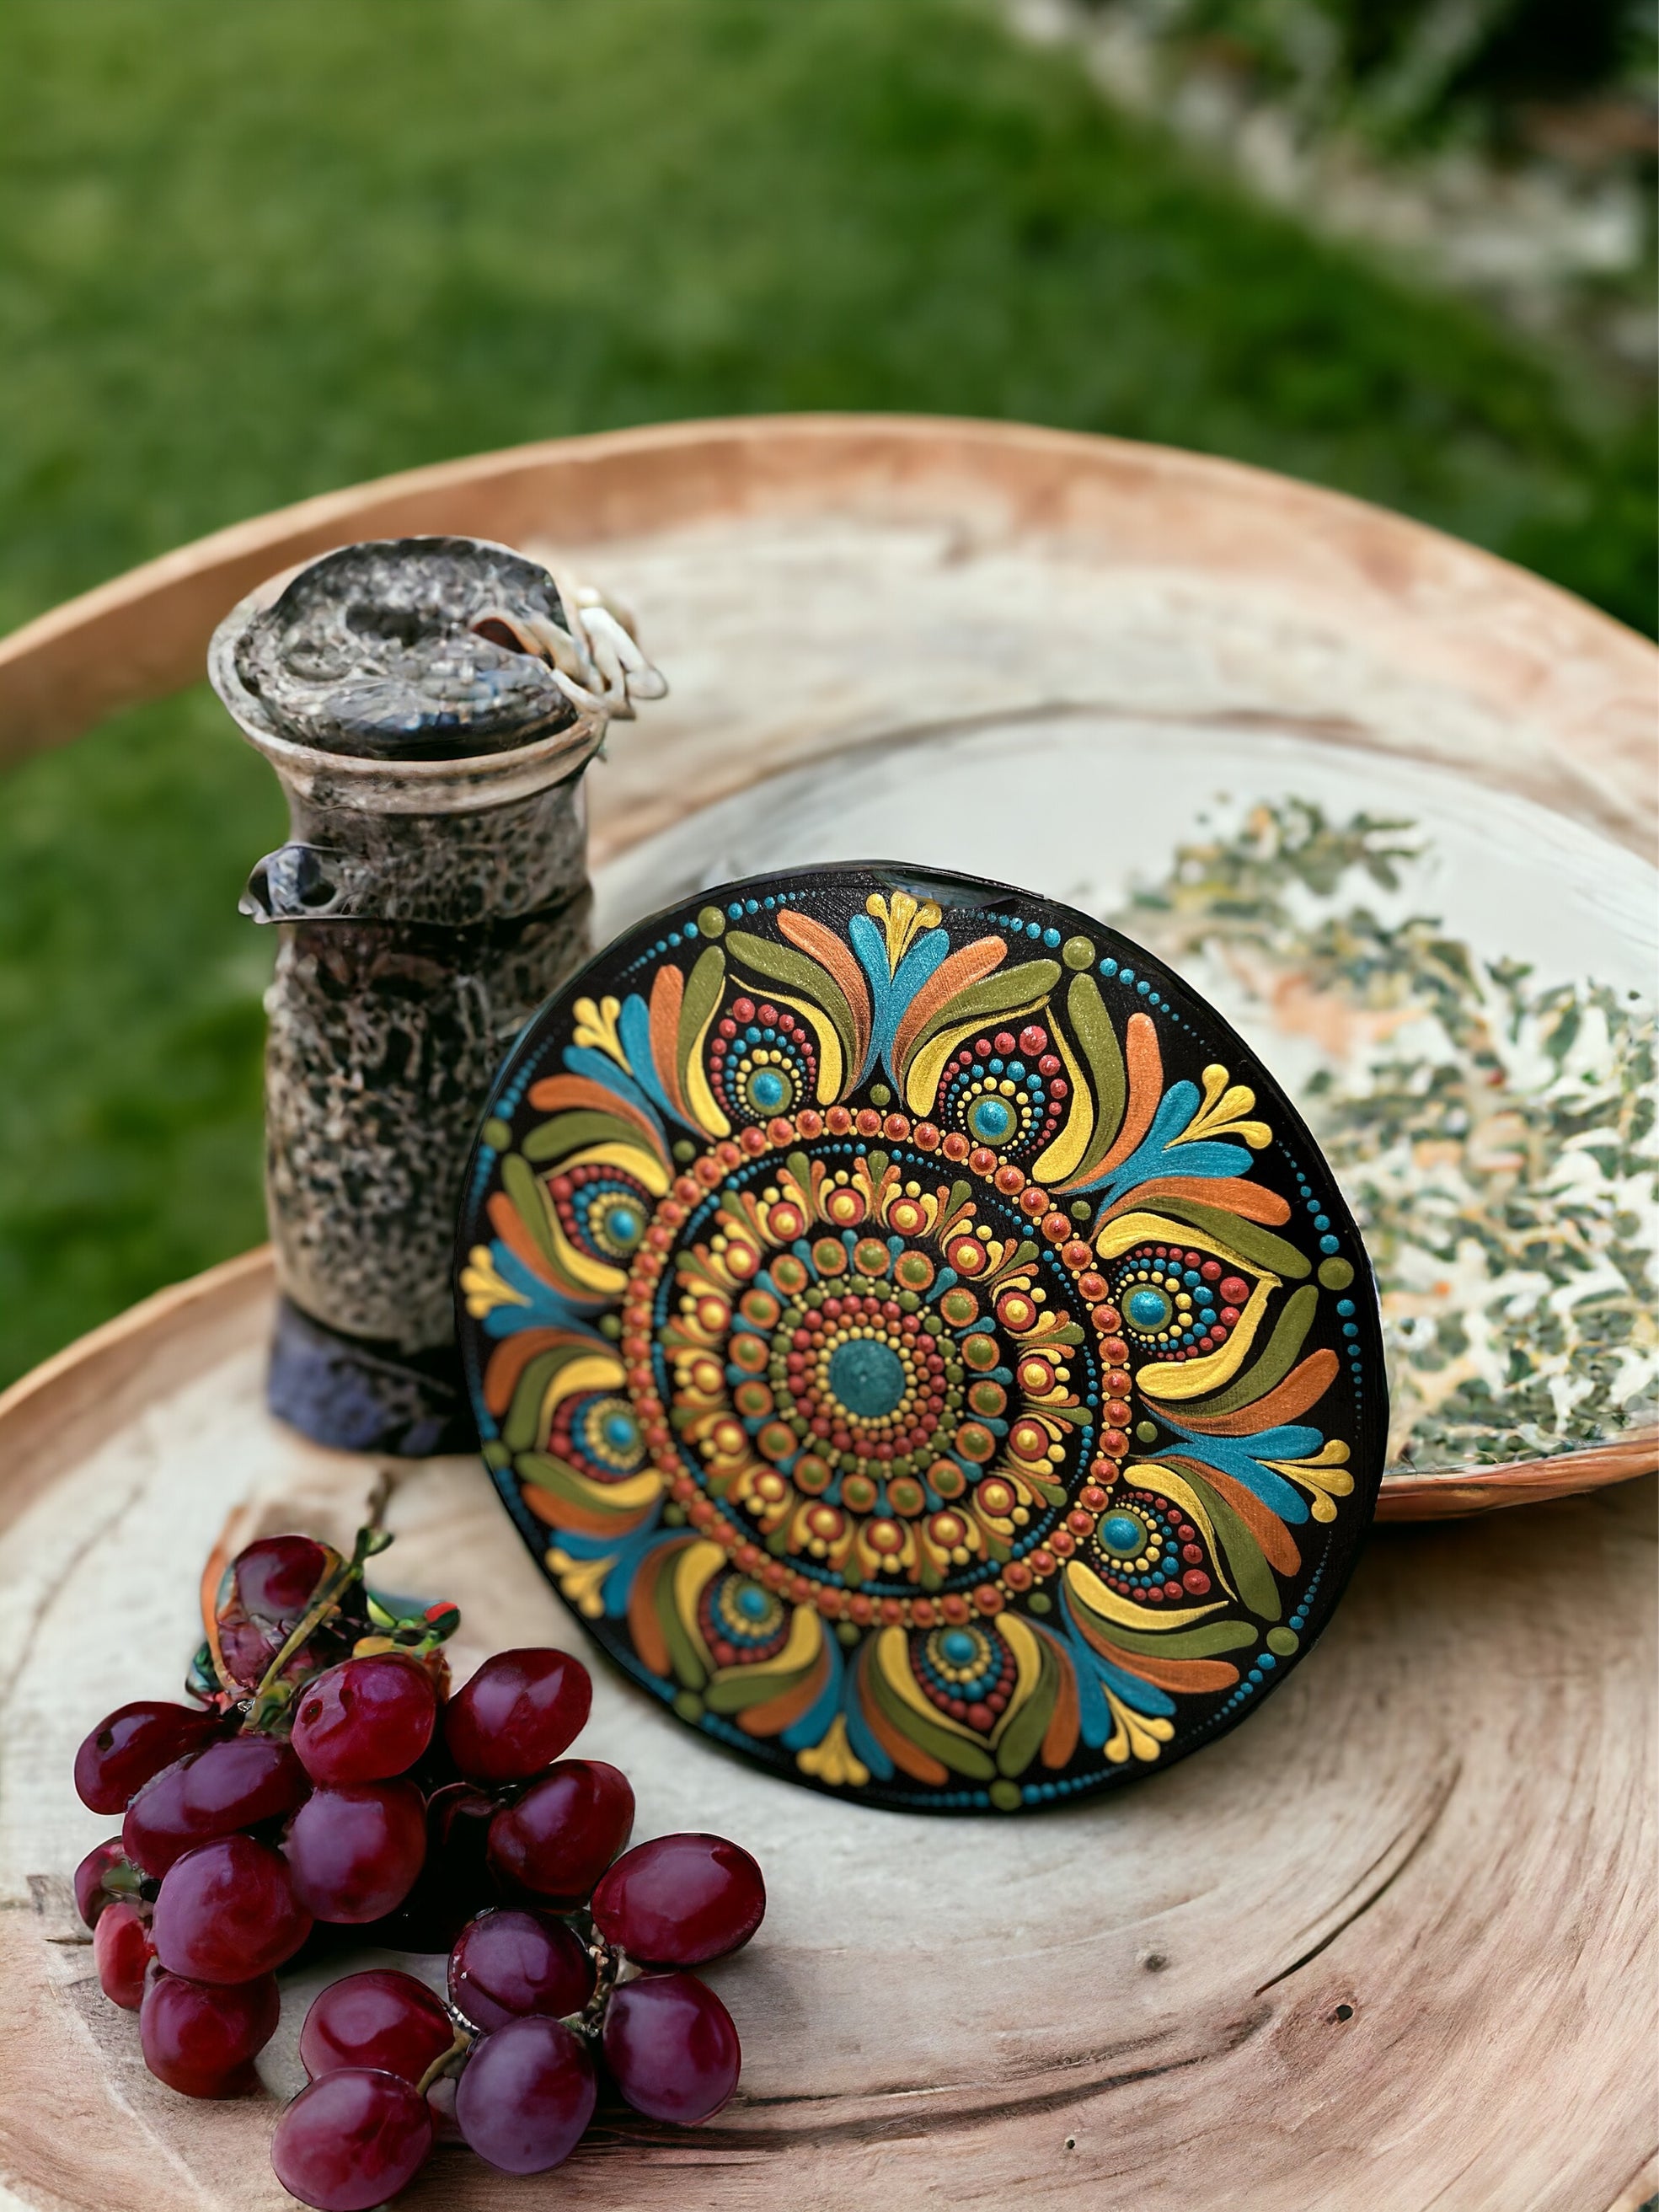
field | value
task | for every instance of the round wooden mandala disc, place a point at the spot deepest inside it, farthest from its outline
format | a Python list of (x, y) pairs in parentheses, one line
[(918, 1339)]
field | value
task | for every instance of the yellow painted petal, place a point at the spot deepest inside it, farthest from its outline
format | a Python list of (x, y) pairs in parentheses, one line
[(1028, 1669), (1124, 1230), (595, 1371), (922, 1081), (834, 1760), (893, 1658), (1171, 1381), (801, 1647), (1090, 1591), (1061, 1158), (1135, 1734), (582, 1582), (697, 1567), (1150, 1476), (483, 1287), (645, 1166), (832, 1060)]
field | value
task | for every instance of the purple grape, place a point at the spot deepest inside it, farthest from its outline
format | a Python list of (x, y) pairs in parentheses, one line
[(382, 2019), (133, 1743), (351, 2139), (680, 1901), (672, 2048), (526, 2096), (122, 1951), (355, 1852), (231, 1785), (90, 1895), (227, 1912), (198, 2038), (563, 1832), (507, 1963), (365, 1720), (517, 1714)]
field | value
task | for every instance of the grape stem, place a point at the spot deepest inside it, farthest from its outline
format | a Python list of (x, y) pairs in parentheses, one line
[(610, 1966), (273, 1695), (447, 2062)]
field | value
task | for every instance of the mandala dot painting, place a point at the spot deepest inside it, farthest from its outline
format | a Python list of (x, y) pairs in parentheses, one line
[(918, 1340)]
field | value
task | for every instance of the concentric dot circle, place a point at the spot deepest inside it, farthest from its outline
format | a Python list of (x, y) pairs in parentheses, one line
[(867, 1376)]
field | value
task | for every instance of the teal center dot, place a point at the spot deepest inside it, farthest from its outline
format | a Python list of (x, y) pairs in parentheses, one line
[(620, 1431), (991, 1119), (751, 1603), (957, 1646), (1147, 1308), (768, 1090), (623, 1224), (868, 1377), (1122, 1535)]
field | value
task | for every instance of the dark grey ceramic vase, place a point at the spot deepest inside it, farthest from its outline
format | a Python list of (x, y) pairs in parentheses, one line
[(410, 698)]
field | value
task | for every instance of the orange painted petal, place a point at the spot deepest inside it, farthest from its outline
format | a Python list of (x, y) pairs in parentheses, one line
[(1252, 1201), (1145, 1065), (505, 1220), (774, 1714), (556, 1093), (970, 965), (1178, 1674), (509, 1359), (920, 1764), (1060, 1740), (1305, 1386), (667, 996), (643, 1623), (810, 936), (560, 1513), (1278, 1545)]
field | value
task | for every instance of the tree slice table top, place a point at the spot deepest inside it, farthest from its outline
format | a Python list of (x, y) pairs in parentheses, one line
[(1391, 1943), (1392, 1940)]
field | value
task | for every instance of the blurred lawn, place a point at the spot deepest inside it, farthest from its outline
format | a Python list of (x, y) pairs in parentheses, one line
[(249, 253)]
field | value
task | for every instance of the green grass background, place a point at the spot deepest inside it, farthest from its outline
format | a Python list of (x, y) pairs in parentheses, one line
[(248, 253)]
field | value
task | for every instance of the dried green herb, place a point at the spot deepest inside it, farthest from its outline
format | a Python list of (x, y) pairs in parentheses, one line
[(1495, 1138)]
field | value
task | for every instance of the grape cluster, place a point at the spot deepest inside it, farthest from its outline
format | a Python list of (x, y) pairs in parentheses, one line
[(325, 1780)]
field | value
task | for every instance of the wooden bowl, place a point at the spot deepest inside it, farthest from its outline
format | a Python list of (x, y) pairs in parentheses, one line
[(1391, 1944)]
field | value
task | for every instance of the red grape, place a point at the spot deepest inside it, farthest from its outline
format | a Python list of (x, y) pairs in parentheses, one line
[(517, 1714), (275, 1577), (508, 1963), (227, 1912), (351, 2139), (365, 1719), (197, 2038), (672, 2048), (90, 1894), (563, 1832), (382, 2019), (526, 2096), (355, 1852), (134, 1742), (680, 1901), (272, 1584), (122, 1949), (230, 1785)]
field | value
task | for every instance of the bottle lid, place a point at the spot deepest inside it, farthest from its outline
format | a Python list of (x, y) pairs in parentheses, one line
[(918, 1338), (408, 648)]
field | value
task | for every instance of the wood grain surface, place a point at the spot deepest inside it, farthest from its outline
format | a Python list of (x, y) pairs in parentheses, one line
[(1390, 1945)]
